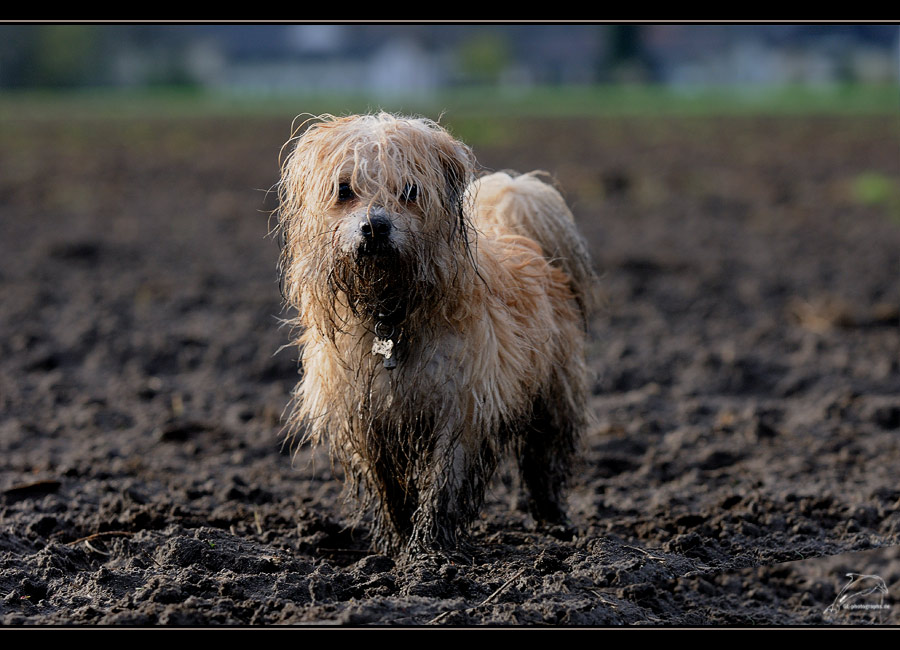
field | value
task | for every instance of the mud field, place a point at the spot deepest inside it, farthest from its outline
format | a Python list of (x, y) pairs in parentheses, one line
[(746, 444)]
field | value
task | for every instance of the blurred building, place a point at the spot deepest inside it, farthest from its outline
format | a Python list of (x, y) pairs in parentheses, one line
[(402, 59), (773, 54), (393, 59)]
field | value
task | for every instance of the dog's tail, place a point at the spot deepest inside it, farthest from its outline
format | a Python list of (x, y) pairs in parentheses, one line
[(506, 203)]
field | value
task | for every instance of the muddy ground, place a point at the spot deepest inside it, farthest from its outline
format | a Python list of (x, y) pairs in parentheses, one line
[(746, 444)]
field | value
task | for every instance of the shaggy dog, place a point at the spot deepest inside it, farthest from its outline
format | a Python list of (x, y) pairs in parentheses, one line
[(442, 323)]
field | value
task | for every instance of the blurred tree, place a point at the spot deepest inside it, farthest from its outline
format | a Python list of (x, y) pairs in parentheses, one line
[(626, 57), (66, 55), (15, 48), (50, 55), (69, 56), (484, 56)]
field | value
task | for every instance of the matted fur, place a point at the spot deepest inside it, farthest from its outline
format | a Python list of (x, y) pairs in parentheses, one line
[(483, 287)]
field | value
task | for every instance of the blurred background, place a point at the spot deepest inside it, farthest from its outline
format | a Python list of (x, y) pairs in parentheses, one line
[(466, 66), (738, 186)]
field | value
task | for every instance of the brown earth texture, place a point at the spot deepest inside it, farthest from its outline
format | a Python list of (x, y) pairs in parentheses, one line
[(745, 449)]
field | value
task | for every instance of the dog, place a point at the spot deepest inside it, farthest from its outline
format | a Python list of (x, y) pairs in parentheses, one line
[(442, 322)]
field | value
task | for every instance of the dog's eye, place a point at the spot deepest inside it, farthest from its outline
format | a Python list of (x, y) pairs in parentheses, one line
[(410, 192), (345, 192)]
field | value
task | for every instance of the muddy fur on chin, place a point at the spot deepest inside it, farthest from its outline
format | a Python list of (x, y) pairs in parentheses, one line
[(441, 322)]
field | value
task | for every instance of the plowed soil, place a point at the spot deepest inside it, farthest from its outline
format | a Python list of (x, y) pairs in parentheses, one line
[(746, 445)]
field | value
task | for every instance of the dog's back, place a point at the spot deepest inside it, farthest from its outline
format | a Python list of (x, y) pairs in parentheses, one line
[(526, 205)]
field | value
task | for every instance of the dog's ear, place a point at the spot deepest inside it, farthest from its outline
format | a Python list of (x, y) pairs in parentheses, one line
[(456, 167), (458, 164)]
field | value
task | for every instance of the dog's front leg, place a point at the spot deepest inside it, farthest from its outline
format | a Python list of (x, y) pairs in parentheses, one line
[(454, 478)]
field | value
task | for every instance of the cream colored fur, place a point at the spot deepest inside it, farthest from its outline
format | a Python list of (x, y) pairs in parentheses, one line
[(484, 285)]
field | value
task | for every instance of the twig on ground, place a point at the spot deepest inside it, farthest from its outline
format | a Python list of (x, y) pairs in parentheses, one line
[(107, 533), (602, 599), (496, 593), (95, 550), (645, 552), (256, 520)]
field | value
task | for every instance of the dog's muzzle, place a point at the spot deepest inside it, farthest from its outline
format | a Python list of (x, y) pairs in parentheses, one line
[(375, 229)]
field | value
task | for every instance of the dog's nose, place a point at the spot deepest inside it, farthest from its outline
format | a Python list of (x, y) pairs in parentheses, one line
[(375, 226)]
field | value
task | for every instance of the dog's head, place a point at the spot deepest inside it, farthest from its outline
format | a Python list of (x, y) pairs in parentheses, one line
[(372, 213)]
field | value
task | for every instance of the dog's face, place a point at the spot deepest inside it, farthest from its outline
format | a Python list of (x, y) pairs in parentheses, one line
[(372, 212), (372, 232)]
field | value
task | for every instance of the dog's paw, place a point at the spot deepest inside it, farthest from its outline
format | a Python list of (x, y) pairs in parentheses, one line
[(560, 527), (565, 532), (434, 559)]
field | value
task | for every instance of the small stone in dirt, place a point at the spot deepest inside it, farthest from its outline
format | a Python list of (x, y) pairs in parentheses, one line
[(35, 489), (887, 417), (547, 563), (374, 564)]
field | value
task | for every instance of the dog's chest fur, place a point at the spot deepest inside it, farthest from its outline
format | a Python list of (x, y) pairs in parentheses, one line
[(439, 377)]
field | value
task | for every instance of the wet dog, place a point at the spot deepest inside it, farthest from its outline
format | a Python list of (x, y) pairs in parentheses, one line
[(441, 319)]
